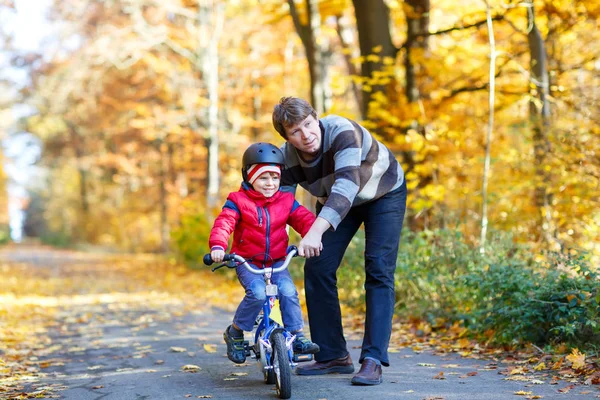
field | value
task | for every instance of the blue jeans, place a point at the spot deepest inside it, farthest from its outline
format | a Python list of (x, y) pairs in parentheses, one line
[(383, 220), (253, 301)]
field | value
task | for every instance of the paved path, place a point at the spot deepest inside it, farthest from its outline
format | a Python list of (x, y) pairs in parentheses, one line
[(133, 350)]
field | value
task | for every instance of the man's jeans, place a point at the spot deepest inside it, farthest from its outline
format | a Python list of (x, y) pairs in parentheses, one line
[(383, 224), (252, 303)]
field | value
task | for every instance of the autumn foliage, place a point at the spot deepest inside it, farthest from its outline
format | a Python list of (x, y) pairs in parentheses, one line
[(144, 109), (145, 106)]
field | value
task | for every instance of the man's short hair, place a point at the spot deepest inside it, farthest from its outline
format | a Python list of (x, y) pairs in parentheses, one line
[(291, 111)]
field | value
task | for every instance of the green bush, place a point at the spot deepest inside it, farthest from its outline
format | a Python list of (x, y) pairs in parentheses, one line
[(547, 306), (442, 279), (4, 234), (190, 238), (56, 239)]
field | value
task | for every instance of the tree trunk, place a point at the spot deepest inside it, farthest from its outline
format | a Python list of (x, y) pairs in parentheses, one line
[(314, 54), (490, 130), (373, 24), (539, 118), (211, 17), (77, 143), (341, 33), (417, 23), (417, 27), (162, 187)]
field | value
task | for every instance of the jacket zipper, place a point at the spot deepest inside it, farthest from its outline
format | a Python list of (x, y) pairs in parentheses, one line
[(268, 228), (259, 211)]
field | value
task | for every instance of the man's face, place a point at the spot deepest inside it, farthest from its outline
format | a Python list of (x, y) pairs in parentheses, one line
[(305, 136)]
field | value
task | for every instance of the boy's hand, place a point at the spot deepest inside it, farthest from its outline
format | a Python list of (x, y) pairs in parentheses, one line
[(217, 255)]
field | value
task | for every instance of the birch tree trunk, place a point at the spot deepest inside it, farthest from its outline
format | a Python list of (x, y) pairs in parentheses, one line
[(162, 190), (490, 129), (211, 18)]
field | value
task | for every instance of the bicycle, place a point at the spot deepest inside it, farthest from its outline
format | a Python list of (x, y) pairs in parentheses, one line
[(272, 346)]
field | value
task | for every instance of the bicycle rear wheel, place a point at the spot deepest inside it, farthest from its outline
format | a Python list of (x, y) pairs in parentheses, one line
[(281, 366)]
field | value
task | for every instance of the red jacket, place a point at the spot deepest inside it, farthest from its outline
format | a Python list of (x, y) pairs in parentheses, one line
[(259, 224)]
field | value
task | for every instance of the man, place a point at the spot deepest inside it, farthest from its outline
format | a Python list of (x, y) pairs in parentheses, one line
[(356, 180)]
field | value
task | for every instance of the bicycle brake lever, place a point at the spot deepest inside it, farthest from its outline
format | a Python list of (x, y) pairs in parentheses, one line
[(228, 264), (218, 266)]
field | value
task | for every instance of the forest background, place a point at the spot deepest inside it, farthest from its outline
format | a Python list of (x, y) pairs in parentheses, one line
[(145, 107)]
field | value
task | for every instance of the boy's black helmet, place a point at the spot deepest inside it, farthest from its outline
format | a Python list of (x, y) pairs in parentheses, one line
[(261, 153)]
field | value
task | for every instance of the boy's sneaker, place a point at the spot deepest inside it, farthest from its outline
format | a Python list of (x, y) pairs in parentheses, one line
[(236, 349), (303, 345)]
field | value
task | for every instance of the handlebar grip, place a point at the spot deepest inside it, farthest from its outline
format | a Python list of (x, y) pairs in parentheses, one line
[(291, 248), (207, 259)]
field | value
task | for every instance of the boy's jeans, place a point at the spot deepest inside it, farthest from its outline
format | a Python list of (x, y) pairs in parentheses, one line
[(383, 224), (252, 303)]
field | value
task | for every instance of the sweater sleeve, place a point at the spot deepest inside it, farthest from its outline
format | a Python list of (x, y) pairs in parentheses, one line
[(347, 150), (301, 219), (224, 225)]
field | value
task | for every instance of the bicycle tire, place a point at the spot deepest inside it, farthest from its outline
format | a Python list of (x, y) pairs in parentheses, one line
[(281, 366)]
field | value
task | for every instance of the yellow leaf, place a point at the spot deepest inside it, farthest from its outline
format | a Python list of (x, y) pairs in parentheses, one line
[(517, 370), (210, 348), (577, 359), (178, 349), (541, 366), (523, 393), (191, 368)]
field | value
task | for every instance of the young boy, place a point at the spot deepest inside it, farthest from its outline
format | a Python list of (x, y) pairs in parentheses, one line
[(257, 214)]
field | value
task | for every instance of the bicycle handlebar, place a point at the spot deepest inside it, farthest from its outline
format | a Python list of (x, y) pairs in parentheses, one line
[(292, 252)]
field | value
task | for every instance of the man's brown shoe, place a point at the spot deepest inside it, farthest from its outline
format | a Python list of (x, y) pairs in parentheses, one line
[(339, 365), (369, 374)]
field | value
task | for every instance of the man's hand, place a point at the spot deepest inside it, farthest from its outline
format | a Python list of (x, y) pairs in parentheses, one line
[(310, 245), (217, 255)]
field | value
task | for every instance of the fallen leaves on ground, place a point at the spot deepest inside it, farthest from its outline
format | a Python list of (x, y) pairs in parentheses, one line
[(210, 348), (66, 295), (529, 365), (190, 368), (577, 359), (46, 292)]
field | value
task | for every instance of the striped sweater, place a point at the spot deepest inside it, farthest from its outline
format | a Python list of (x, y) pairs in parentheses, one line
[(352, 168)]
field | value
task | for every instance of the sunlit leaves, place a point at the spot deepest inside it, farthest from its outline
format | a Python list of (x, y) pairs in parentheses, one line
[(577, 359), (127, 80)]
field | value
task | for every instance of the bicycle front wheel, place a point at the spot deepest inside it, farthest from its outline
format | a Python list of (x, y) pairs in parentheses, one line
[(281, 366), (269, 375)]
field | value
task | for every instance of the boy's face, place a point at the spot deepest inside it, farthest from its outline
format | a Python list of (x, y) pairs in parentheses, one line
[(305, 136), (267, 184)]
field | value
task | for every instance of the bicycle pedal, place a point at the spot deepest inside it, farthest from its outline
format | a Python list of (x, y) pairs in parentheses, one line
[(302, 357), (247, 347)]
